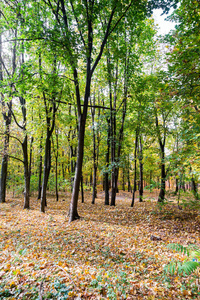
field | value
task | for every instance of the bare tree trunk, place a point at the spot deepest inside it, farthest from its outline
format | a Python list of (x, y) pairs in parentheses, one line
[(177, 181), (161, 196), (194, 189), (46, 172), (123, 179), (94, 193), (161, 141), (56, 157), (40, 171), (30, 162), (177, 188), (55, 150), (194, 186), (26, 174), (82, 190), (106, 175), (135, 168), (141, 170), (150, 180), (128, 176), (56, 171), (73, 213), (71, 136), (113, 158)]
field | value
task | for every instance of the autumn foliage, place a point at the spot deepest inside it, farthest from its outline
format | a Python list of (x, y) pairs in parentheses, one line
[(110, 253)]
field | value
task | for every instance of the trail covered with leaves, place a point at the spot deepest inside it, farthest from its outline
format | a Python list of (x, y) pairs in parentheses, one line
[(110, 253)]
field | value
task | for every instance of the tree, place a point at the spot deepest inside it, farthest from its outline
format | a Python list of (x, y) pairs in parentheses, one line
[(185, 51), (77, 32), (51, 104), (183, 59), (6, 116), (163, 106), (15, 76), (96, 141)]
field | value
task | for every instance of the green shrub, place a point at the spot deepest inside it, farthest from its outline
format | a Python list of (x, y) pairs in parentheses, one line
[(189, 265)]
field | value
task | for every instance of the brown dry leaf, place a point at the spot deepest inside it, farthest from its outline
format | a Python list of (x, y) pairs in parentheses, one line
[(107, 253)]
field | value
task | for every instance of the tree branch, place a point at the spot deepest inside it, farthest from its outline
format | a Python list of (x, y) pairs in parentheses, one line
[(104, 41), (80, 32), (121, 18), (12, 136), (16, 158), (22, 127), (4, 66)]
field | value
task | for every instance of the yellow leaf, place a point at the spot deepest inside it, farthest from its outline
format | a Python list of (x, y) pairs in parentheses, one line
[(17, 272), (12, 284)]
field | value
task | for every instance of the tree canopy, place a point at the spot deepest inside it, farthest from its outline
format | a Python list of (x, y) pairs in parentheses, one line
[(89, 90)]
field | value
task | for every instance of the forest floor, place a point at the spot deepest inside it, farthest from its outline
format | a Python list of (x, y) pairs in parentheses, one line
[(110, 253)]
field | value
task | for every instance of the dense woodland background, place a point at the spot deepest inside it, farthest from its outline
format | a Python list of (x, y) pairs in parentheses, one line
[(97, 107), (61, 64)]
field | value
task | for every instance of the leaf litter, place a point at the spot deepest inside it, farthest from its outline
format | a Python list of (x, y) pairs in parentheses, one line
[(110, 253)]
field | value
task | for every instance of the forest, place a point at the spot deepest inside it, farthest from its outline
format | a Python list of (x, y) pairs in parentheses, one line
[(100, 150)]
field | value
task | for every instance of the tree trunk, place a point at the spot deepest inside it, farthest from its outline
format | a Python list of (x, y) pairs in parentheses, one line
[(123, 179), (94, 193), (135, 168), (194, 186), (26, 174), (161, 141), (71, 136), (150, 180), (82, 191), (4, 167), (72, 166), (40, 172), (46, 172), (90, 180), (106, 176), (73, 212), (116, 156), (63, 168), (56, 161), (56, 171), (113, 100), (4, 164), (128, 176), (177, 184), (161, 196), (194, 189), (50, 123), (141, 170), (113, 187), (30, 163)]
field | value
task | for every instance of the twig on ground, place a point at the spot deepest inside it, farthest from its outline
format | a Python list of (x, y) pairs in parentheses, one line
[(41, 290)]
